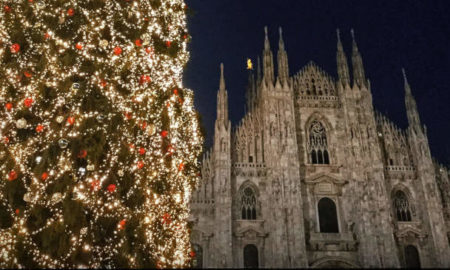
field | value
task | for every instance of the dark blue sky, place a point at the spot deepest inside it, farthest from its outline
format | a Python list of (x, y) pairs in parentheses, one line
[(390, 35)]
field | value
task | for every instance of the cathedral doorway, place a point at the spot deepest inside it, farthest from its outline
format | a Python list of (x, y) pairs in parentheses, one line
[(412, 258), (251, 256), (328, 216)]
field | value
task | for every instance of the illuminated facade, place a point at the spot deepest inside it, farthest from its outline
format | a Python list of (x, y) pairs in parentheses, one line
[(314, 176)]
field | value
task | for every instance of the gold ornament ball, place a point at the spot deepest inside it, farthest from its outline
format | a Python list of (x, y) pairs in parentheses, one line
[(21, 123)]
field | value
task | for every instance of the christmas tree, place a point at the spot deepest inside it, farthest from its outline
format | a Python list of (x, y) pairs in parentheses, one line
[(99, 140)]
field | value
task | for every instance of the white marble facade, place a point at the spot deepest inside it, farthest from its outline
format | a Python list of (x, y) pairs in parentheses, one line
[(313, 176)]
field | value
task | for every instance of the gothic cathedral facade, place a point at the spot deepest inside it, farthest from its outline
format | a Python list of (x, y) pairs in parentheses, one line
[(313, 176)]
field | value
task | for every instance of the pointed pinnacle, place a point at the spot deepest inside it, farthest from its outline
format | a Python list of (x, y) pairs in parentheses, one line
[(405, 79), (355, 46), (266, 40), (222, 78), (339, 43), (281, 43), (404, 75)]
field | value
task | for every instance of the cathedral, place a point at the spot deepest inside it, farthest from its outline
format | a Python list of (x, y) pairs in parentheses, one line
[(314, 176)]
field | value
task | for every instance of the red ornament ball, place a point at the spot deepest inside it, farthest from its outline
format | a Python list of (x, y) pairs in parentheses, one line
[(82, 154), (142, 151), (117, 50), (71, 120), (138, 42), (175, 92), (28, 102), (128, 115), (111, 188), (181, 166), (44, 176), (27, 74), (39, 128), (12, 175), (164, 133), (95, 185), (144, 125), (17, 211), (168, 44), (149, 50), (144, 79), (70, 12), (79, 46), (15, 48), (8, 106), (7, 8), (192, 254), (140, 164), (122, 224)]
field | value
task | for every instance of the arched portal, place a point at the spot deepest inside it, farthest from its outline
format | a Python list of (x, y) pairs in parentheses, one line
[(412, 258), (328, 216), (251, 259)]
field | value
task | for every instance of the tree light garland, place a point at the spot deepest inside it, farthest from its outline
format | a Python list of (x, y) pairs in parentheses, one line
[(99, 140)]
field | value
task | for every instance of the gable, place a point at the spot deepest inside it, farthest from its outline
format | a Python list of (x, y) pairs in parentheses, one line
[(313, 81)]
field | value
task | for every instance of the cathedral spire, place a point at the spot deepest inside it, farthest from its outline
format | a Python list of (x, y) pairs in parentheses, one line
[(283, 67), (222, 78), (222, 101), (359, 77), (406, 83), (411, 106), (341, 59), (266, 40), (281, 41), (268, 61)]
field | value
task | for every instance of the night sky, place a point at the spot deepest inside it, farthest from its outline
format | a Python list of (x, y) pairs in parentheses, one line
[(390, 35)]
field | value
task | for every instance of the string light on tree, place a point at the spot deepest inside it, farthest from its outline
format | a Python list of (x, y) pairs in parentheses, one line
[(81, 82)]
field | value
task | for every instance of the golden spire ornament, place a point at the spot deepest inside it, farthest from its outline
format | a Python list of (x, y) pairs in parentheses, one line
[(249, 64)]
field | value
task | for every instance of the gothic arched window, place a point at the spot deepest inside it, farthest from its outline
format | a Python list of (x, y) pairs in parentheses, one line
[(318, 144), (251, 256), (412, 259), (326, 158), (248, 203), (401, 206), (327, 216)]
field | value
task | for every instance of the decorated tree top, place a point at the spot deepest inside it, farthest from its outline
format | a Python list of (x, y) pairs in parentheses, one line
[(99, 139)]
